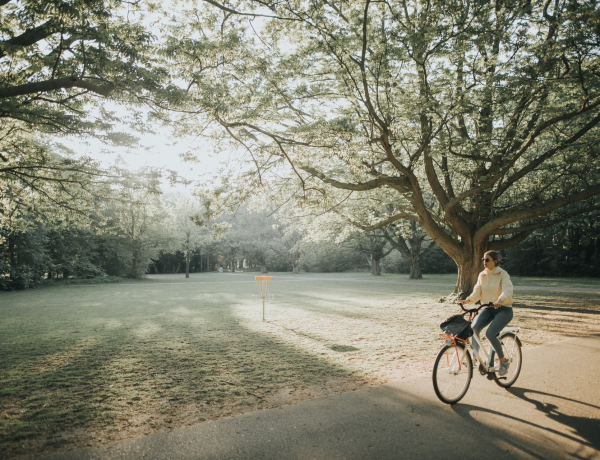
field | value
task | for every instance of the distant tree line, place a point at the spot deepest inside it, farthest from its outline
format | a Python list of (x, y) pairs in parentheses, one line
[(141, 235), (569, 249)]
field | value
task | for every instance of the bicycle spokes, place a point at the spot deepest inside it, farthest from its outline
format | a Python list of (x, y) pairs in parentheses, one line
[(452, 373)]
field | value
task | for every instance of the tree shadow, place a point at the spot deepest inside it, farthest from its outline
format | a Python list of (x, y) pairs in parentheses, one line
[(582, 428), (343, 348), (585, 427), (199, 355)]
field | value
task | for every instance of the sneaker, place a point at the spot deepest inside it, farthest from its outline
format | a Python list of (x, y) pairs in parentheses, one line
[(503, 368)]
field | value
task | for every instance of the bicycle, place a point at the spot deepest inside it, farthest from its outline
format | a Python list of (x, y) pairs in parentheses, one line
[(453, 368)]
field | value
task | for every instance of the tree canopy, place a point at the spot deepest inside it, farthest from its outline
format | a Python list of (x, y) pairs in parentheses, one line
[(59, 62), (481, 116)]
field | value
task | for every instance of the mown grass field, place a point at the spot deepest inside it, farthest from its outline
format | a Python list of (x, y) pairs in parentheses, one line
[(87, 364)]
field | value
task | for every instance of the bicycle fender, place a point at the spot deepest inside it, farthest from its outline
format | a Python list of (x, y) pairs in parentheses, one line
[(508, 330)]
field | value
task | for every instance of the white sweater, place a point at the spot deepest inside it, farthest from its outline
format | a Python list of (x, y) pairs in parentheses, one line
[(493, 285)]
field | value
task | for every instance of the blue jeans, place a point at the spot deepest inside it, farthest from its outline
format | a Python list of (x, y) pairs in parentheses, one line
[(499, 318)]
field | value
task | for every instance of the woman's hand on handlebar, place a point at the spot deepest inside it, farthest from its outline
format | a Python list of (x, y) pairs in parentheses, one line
[(476, 309)]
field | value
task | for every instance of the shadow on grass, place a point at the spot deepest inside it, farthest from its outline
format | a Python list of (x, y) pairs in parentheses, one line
[(99, 379), (343, 348)]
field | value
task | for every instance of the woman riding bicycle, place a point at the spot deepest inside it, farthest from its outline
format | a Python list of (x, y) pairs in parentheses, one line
[(493, 285)]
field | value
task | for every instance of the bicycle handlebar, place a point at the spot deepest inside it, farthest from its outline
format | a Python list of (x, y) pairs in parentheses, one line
[(475, 310)]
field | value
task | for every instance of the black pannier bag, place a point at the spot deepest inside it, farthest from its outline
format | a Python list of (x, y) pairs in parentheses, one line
[(457, 326)]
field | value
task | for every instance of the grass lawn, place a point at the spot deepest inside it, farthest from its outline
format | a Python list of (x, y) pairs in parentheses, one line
[(517, 281), (87, 364)]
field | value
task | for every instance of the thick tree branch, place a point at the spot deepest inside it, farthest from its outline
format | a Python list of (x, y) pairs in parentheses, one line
[(232, 11), (361, 65), (30, 36), (399, 245), (389, 220), (529, 213), (53, 85), (275, 137), (496, 177), (509, 242), (545, 223), (449, 212), (397, 183), (428, 249), (542, 158)]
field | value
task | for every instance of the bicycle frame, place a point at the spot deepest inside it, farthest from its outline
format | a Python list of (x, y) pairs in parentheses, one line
[(487, 360)]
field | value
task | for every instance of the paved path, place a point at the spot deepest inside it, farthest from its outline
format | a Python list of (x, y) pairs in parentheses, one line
[(552, 412)]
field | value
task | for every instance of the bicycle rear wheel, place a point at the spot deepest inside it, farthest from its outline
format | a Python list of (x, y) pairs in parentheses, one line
[(511, 346), (452, 373)]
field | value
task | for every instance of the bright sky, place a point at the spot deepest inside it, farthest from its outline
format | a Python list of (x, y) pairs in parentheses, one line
[(161, 150)]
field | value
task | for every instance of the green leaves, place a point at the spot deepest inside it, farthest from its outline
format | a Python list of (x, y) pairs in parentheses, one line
[(478, 114), (59, 62)]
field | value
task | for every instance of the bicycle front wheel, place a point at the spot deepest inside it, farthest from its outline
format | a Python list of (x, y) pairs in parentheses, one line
[(511, 346), (452, 373)]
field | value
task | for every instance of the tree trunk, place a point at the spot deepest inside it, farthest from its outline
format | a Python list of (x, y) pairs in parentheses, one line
[(467, 277), (134, 256), (134, 264), (375, 267), (11, 253), (468, 271), (415, 266), (263, 268), (187, 254), (413, 253), (414, 259)]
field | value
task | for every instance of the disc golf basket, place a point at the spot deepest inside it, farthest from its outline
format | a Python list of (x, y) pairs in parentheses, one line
[(263, 285)]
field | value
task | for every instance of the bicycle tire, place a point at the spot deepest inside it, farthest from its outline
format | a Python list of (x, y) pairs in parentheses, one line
[(511, 346), (451, 381)]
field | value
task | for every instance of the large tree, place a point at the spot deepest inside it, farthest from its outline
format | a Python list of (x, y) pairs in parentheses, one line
[(482, 116), (59, 62)]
